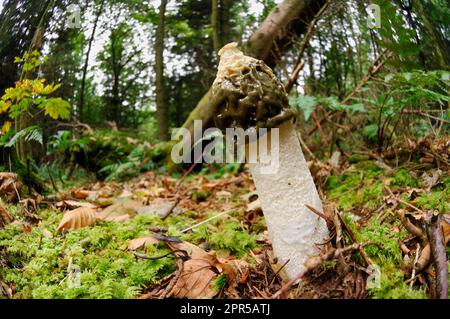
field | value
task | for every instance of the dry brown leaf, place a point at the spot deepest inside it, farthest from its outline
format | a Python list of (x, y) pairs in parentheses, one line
[(82, 194), (200, 271), (146, 241), (5, 217), (120, 211), (9, 185), (78, 218), (47, 233), (254, 206), (74, 204), (197, 276)]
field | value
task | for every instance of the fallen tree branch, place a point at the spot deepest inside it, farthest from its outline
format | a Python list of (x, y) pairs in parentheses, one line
[(436, 239)]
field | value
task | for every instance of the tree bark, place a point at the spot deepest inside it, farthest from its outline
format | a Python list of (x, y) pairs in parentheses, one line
[(225, 28), (161, 108), (86, 63), (275, 35), (215, 25)]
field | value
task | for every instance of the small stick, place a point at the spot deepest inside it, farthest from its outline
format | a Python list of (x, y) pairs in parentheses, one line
[(208, 220), (402, 201), (436, 238), (413, 275), (315, 262), (167, 292)]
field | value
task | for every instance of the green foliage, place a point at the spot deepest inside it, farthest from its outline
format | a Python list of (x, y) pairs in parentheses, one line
[(107, 270), (307, 104), (230, 238), (107, 153), (403, 178), (357, 188), (31, 133), (438, 200), (386, 254)]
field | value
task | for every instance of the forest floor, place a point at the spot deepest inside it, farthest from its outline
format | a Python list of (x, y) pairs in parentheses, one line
[(160, 235)]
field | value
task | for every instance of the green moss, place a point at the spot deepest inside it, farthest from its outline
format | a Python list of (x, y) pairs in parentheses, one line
[(350, 190), (221, 282), (403, 178), (107, 269), (439, 200), (386, 254), (229, 238)]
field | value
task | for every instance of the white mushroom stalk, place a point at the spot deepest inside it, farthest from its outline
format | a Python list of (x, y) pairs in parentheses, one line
[(246, 94)]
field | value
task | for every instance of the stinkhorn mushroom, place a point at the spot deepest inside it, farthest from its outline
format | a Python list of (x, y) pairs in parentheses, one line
[(247, 95)]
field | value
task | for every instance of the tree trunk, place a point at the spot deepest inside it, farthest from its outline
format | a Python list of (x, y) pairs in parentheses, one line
[(274, 36), (86, 63), (161, 109), (441, 48), (21, 122), (225, 7), (215, 25)]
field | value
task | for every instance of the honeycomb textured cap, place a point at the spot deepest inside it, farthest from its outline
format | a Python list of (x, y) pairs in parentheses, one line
[(246, 93)]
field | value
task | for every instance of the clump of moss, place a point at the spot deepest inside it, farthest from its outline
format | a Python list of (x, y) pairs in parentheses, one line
[(439, 201), (41, 265), (386, 254), (403, 178), (359, 188), (228, 237)]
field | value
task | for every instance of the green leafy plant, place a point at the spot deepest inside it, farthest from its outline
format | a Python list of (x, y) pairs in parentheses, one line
[(31, 96)]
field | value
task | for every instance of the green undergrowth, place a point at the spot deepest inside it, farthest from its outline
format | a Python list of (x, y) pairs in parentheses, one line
[(386, 254), (41, 266), (359, 187), (359, 191)]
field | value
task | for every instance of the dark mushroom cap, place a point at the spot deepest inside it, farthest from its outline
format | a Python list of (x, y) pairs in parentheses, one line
[(254, 98)]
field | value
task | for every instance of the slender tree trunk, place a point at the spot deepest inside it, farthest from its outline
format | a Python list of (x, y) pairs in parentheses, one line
[(86, 62), (22, 147), (274, 36), (217, 43), (442, 51), (225, 27), (161, 108)]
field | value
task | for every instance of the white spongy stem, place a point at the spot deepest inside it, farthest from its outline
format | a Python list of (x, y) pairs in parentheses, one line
[(293, 229)]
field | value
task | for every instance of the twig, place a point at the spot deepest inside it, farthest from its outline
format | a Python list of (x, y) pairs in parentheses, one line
[(173, 282), (278, 271), (315, 211), (309, 33), (413, 275), (208, 220), (402, 201), (376, 66), (436, 239), (314, 262)]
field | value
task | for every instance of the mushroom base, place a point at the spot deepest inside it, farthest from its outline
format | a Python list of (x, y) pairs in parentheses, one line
[(293, 229)]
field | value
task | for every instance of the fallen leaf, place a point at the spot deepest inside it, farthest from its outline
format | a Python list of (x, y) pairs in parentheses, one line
[(254, 206), (146, 241), (121, 211), (197, 276), (430, 181), (71, 204), (82, 194), (10, 185), (47, 233), (158, 207), (78, 218), (5, 217), (199, 272)]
